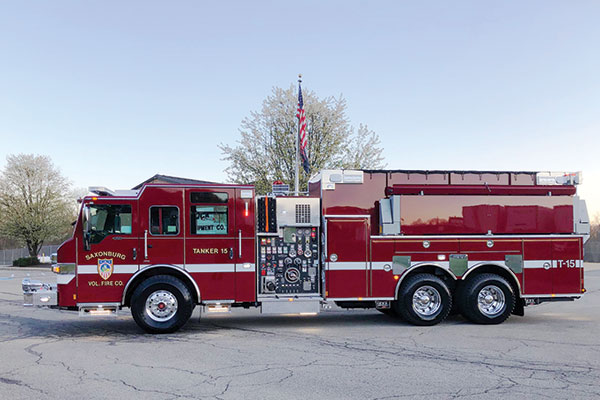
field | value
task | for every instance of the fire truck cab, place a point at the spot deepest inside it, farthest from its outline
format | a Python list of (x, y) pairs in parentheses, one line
[(413, 244)]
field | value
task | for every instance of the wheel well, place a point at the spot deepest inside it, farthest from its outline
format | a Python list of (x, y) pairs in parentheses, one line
[(495, 269), (152, 271), (436, 270)]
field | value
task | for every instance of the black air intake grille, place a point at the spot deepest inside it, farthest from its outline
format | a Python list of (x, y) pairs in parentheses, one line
[(303, 213)]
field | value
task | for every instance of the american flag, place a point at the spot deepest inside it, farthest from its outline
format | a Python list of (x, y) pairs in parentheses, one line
[(302, 131)]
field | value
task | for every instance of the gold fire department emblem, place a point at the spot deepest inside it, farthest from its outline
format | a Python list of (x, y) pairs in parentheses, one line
[(105, 267)]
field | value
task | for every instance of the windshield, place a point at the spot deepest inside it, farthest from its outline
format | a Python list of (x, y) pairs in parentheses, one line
[(108, 219)]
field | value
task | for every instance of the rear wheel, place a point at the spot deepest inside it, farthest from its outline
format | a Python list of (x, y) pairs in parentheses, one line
[(487, 299), (424, 299), (161, 304)]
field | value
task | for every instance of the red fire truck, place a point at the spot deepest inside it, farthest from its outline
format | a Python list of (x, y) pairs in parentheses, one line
[(413, 244)]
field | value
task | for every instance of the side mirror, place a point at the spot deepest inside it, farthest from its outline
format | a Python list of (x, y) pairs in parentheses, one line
[(86, 229)]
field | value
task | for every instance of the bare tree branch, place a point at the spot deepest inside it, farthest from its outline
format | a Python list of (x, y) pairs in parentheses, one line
[(266, 149)]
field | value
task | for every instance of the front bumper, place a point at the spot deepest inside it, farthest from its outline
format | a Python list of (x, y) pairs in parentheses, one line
[(36, 293)]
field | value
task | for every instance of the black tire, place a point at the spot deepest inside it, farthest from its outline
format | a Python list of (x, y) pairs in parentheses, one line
[(175, 311), (497, 301), (436, 293)]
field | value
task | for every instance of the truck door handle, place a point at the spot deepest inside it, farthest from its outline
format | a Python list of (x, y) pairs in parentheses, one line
[(134, 253), (231, 253), (145, 244)]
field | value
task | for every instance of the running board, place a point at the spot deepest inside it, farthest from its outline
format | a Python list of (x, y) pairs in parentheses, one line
[(217, 307), (291, 305), (98, 310)]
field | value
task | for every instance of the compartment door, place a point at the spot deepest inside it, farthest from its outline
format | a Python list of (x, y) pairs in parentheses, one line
[(347, 273), (567, 266)]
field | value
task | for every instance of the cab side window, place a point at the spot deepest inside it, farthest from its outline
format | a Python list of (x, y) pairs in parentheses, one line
[(164, 220), (209, 213)]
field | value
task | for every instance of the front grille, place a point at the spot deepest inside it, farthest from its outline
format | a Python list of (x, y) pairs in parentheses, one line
[(303, 213)]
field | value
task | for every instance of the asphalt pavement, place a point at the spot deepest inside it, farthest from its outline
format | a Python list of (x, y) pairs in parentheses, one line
[(553, 352)]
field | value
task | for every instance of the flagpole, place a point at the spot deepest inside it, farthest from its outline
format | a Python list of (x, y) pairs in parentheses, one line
[(296, 182)]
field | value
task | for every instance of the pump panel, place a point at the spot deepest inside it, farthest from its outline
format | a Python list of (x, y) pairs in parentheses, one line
[(289, 264), (288, 250)]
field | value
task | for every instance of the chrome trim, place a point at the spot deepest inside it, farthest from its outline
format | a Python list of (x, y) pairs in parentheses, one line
[(421, 264), (426, 302), (108, 304), (207, 302), (482, 236), (37, 293), (357, 298), (179, 269), (491, 301), (492, 263), (357, 216), (161, 305), (240, 244), (533, 296), (109, 309), (146, 244), (31, 286)]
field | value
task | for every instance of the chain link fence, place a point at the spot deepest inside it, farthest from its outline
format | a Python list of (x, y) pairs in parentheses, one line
[(7, 256)]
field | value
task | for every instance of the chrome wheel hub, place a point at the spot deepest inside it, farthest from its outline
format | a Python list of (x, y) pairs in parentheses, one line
[(491, 301), (426, 301), (161, 305)]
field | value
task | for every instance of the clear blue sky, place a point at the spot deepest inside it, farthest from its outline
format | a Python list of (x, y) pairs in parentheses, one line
[(118, 91)]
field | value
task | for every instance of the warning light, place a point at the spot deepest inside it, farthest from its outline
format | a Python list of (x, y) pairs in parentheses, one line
[(94, 198), (396, 277), (246, 212)]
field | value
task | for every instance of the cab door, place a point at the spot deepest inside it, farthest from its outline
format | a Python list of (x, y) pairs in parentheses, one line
[(161, 226), (112, 253), (245, 268), (211, 244)]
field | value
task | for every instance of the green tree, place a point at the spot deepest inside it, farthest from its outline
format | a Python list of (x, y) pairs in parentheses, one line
[(266, 149), (35, 204)]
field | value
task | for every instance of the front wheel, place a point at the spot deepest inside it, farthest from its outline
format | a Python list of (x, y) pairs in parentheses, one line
[(424, 299), (487, 299), (161, 304)]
